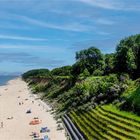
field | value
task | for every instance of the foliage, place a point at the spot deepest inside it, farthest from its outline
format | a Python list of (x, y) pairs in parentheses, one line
[(91, 59), (132, 99), (77, 69), (109, 63), (93, 91), (128, 56), (62, 71), (38, 88), (94, 79), (85, 73), (98, 72), (36, 73)]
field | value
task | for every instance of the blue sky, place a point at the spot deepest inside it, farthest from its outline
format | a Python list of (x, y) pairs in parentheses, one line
[(47, 33)]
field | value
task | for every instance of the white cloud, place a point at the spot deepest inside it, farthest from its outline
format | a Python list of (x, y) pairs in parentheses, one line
[(105, 21), (114, 4), (107, 4), (75, 26), (11, 37), (38, 48)]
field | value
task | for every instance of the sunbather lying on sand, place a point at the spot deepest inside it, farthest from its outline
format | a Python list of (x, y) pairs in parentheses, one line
[(36, 118), (9, 118), (1, 124)]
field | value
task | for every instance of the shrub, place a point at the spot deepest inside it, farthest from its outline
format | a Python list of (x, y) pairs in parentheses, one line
[(98, 72), (36, 73)]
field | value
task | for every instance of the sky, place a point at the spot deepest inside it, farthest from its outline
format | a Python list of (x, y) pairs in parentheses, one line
[(47, 33)]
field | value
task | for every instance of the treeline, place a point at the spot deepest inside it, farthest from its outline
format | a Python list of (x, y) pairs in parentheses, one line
[(126, 59), (95, 78), (92, 61)]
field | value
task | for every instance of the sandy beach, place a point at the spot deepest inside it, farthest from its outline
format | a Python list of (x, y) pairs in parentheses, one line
[(15, 100)]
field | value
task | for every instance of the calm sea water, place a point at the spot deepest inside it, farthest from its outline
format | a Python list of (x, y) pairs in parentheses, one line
[(5, 78)]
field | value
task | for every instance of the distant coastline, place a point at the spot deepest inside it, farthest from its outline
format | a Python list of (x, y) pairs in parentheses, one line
[(5, 78)]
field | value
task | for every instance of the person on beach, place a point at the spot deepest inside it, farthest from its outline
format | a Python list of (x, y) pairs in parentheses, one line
[(1, 124)]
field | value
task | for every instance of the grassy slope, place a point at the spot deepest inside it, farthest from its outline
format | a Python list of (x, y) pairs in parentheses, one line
[(107, 122)]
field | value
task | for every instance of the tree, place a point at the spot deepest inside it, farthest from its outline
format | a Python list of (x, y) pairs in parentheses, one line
[(77, 68), (127, 57), (131, 61), (109, 63), (38, 73), (91, 59), (62, 71), (85, 73)]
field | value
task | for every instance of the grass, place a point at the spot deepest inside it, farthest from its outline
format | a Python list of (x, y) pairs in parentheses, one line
[(119, 128), (107, 122), (82, 126), (124, 123), (128, 115), (101, 125), (111, 129)]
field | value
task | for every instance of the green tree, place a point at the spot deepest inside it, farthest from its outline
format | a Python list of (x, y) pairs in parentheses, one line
[(91, 59), (131, 61), (109, 63), (38, 73), (85, 73), (128, 56), (62, 71)]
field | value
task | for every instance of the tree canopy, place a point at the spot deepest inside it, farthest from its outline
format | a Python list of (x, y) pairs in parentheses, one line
[(62, 71), (90, 59), (36, 73), (128, 56)]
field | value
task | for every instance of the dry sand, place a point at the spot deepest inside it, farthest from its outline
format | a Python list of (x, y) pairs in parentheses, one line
[(18, 128)]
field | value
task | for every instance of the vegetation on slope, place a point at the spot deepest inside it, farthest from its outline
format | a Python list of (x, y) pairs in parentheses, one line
[(93, 91), (90, 84), (131, 98)]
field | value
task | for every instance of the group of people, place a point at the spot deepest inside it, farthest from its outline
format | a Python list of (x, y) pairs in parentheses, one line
[(21, 103)]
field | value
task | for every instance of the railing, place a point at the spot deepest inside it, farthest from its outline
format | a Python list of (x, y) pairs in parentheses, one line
[(72, 131)]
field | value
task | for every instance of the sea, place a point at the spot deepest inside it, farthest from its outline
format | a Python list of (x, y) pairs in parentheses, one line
[(5, 78)]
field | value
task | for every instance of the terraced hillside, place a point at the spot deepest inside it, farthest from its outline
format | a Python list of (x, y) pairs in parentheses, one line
[(107, 122)]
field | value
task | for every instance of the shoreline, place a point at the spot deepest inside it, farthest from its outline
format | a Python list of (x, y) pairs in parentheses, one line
[(14, 92)]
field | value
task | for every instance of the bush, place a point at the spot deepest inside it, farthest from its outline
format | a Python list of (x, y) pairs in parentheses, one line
[(85, 73), (39, 88), (93, 91), (98, 72), (62, 71), (132, 102), (36, 73)]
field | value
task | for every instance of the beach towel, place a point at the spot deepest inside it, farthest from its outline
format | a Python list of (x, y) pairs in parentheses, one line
[(46, 137)]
